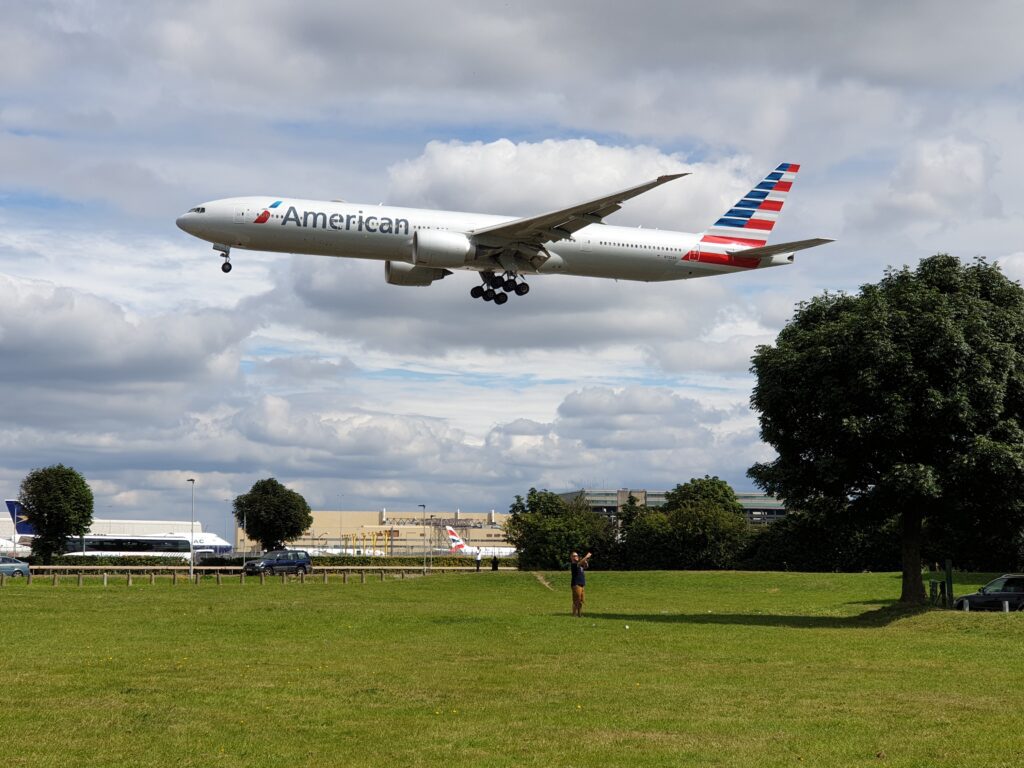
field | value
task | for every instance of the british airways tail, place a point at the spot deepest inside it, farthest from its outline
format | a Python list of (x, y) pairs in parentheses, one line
[(740, 236), (22, 525), (458, 546)]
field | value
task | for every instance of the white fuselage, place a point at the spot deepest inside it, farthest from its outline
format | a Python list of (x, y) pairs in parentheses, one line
[(385, 233)]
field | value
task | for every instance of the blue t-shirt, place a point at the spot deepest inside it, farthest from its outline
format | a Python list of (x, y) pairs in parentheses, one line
[(579, 575)]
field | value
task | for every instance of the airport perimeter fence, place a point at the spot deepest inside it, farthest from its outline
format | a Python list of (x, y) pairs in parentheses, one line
[(132, 574)]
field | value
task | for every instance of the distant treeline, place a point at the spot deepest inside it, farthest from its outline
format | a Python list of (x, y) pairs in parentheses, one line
[(702, 526)]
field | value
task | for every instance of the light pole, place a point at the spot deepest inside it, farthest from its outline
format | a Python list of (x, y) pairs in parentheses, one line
[(192, 534), (424, 508)]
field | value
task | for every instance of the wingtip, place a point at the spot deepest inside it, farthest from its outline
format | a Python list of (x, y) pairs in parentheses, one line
[(671, 176)]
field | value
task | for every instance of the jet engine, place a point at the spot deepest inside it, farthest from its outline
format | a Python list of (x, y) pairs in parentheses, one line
[(400, 273), (431, 248)]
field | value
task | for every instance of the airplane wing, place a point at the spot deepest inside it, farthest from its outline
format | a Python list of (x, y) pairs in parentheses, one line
[(772, 250), (561, 224)]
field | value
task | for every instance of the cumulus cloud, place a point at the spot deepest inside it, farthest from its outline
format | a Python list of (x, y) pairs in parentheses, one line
[(127, 353)]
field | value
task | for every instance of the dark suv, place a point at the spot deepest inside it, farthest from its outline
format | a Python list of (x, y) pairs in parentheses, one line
[(1007, 588), (281, 561)]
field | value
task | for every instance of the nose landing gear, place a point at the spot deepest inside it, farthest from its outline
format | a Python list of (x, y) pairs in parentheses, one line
[(497, 288), (225, 251)]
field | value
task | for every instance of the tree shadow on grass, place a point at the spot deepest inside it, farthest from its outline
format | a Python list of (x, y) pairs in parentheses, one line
[(879, 617)]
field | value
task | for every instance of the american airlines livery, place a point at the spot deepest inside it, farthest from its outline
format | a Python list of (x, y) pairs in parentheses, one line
[(419, 246)]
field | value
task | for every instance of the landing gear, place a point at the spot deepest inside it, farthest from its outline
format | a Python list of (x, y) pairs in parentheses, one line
[(497, 288), (225, 251)]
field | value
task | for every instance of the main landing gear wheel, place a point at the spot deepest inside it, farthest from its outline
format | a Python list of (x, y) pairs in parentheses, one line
[(500, 298), (477, 291), (489, 295), (509, 285), (522, 289), (496, 281)]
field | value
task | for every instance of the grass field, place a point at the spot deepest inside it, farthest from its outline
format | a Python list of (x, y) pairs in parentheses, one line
[(729, 669)]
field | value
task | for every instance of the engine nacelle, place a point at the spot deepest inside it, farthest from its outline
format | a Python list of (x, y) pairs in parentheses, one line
[(431, 248), (400, 273)]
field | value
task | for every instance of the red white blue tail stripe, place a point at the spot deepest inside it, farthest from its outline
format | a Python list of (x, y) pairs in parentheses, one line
[(458, 545), (748, 223)]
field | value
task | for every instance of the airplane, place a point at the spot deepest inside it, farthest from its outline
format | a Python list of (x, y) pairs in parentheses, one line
[(459, 547), (420, 246)]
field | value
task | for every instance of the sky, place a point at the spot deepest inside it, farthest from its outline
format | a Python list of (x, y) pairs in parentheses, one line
[(126, 353)]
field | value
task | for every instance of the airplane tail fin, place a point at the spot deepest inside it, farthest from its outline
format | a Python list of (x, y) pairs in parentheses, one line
[(740, 236), (458, 545), (22, 525)]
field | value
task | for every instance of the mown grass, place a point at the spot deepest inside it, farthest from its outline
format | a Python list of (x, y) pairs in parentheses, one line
[(714, 669)]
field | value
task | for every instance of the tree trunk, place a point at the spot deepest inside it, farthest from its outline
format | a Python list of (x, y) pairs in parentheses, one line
[(913, 582)]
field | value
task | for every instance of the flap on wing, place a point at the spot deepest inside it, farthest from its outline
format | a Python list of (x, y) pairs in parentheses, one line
[(558, 225), (772, 250)]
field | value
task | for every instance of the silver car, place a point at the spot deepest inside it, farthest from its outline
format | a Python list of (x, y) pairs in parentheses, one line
[(13, 568)]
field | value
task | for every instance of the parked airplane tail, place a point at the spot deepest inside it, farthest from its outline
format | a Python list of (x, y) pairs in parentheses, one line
[(458, 545), (739, 238), (22, 524)]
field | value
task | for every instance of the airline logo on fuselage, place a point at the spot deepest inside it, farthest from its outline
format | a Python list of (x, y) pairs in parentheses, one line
[(265, 216), (349, 222)]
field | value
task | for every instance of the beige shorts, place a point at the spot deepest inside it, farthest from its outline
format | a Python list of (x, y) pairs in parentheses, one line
[(577, 596)]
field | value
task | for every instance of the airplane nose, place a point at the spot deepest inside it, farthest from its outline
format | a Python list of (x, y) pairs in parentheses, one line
[(187, 223)]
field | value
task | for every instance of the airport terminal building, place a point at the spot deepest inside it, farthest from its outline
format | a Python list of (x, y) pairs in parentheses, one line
[(410, 533)]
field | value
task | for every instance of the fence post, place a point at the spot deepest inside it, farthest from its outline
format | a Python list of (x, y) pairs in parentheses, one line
[(401, 575), (56, 579), (344, 577), (949, 583), (129, 578), (80, 578), (967, 605), (197, 574), (1006, 606), (152, 578), (302, 577), (263, 577), (284, 578), (28, 579), (218, 578), (325, 577), (362, 577), (174, 578), (241, 578), (104, 579), (3, 579)]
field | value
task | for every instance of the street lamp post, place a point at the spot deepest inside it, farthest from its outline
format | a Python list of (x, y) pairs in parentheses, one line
[(424, 508), (192, 535)]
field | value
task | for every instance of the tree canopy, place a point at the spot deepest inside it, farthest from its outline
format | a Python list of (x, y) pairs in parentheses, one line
[(545, 529), (700, 526), (272, 514), (901, 403), (59, 503)]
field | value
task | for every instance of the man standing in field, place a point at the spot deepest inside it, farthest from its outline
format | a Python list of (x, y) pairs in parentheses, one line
[(578, 567)]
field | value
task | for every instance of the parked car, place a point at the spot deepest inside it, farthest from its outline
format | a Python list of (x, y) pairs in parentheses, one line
[(13, 567), (1007, 588), (281, 561)]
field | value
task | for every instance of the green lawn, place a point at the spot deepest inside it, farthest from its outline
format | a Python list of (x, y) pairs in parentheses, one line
[(702, 669)]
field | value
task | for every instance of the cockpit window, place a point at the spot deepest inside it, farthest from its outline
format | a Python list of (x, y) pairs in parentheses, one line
[(197, 210)]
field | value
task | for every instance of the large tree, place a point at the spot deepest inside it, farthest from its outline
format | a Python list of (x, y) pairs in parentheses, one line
[(545, 529), (902, 403), (272, 514), (58, 502)]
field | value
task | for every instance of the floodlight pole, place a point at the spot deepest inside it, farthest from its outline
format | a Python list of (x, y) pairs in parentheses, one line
[(424, 508), (192, 535)]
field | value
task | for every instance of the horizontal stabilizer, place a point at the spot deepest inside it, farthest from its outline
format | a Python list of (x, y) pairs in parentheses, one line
[(772, 250)]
